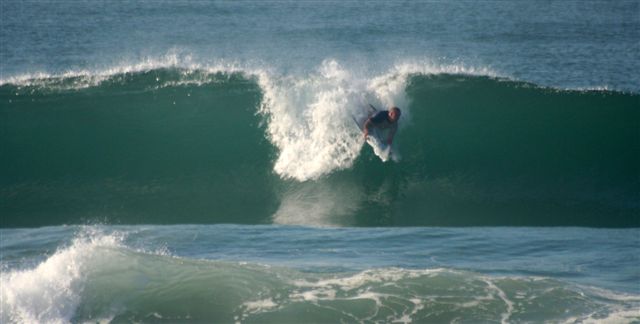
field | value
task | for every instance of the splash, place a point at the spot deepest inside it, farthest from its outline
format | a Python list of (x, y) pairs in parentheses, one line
[(51, 292), (310, 119)]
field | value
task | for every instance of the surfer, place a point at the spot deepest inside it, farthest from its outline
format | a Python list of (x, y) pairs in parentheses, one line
[(384, 119)]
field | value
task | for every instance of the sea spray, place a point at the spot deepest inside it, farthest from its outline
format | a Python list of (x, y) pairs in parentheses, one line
[(310, 121), (52, 291)]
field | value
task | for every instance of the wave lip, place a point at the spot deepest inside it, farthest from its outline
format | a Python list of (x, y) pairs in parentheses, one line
[(82, 78)]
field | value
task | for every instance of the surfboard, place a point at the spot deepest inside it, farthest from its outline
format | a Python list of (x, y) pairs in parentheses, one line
[(375, 139)]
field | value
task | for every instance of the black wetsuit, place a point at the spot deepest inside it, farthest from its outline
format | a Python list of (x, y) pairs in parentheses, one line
[(381, 120)]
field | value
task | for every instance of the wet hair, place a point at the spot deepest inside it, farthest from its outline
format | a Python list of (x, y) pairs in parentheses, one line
[(397, 110)]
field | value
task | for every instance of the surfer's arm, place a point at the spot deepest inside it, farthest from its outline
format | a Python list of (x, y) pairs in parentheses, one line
[(365, 127)]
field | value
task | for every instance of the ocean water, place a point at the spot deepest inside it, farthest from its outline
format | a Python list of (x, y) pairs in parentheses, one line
[(276, 274), (197, 161)]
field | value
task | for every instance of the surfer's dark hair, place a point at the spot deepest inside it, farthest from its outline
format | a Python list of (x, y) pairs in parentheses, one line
[(396, 109)]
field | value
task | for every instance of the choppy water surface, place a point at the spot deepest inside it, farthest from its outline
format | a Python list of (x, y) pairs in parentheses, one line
[(231, 273)]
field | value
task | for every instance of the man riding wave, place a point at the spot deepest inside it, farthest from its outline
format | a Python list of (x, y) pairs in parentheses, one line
[(384, 119)]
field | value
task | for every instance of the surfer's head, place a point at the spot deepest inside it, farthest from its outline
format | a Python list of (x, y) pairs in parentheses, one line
[(394, 114)]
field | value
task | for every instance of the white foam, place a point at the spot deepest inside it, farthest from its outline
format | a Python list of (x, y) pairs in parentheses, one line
[(258, 306), (309, 121), (51, 292), (615, 317), (358, 287), (408, 317), (369, 276), (503, 296), (430, 67), (91, 77)]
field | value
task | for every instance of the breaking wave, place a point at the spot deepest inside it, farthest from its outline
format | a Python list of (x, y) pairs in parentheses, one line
[(170, 142)]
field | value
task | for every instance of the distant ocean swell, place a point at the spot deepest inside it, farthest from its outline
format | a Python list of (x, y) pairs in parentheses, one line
[(192, 145), (97, 277)]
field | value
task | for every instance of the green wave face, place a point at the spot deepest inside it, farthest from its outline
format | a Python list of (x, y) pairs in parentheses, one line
[(132, 151), (173, 146)]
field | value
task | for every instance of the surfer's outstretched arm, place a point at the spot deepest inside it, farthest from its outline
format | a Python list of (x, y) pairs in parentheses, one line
[(365, 127)]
